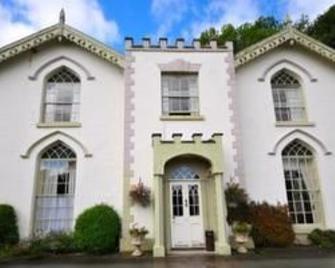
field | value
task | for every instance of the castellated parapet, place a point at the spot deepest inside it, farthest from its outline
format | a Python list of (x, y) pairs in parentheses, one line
[(178, 45)]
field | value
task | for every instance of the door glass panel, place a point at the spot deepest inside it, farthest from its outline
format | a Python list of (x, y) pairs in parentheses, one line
[(193, 196), (177, 200)]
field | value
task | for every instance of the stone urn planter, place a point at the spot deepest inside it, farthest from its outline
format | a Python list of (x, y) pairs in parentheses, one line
[(137, 238), (241, 235)]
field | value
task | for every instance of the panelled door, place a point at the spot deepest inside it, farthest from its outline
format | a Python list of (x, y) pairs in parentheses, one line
[(186, 218)]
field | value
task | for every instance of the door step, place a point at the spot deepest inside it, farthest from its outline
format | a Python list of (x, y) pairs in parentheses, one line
[(181, 252)]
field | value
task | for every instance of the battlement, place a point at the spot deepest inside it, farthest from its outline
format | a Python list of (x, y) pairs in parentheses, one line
[(178, 138), (178, 45)]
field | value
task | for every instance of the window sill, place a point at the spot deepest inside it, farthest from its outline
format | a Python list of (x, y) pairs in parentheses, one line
[(306, 228), (182, 118), (294, 124), (59, 125)]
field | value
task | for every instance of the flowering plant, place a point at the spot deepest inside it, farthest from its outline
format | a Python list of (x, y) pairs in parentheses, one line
[(140, 194), (136, 231)]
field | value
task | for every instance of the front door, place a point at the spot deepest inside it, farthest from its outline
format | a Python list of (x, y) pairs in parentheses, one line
[(186, 215)]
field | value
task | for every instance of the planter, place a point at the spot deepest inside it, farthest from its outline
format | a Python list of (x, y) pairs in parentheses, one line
[(241, 235), (137, 234), (137, 243), (241, 240)]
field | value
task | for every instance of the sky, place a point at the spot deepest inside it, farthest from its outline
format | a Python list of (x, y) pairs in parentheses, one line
[(111, 20)]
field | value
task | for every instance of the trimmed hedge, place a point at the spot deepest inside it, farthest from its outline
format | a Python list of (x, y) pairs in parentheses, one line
[(97, 230), (271, 224), (9, 234)]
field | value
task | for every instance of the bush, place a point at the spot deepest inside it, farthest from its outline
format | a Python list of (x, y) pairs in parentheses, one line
[(237, 203), (9, 234), (271, 225), (97, 230), (53, 243), (323, 239)]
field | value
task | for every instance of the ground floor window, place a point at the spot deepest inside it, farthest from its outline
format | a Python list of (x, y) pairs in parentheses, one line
[(55, 189), (301, 183)]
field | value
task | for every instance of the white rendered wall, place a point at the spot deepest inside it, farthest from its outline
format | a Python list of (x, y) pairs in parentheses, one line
[(99, 178), (213, 102), (263, 172)]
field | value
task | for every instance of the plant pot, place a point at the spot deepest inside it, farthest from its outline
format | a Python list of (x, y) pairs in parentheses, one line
[(241, 240), (137, 243)]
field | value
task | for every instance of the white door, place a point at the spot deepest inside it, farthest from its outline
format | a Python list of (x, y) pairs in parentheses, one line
[(186, 219)]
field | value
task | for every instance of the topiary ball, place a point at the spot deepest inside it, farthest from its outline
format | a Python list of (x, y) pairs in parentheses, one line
[(97, 230)]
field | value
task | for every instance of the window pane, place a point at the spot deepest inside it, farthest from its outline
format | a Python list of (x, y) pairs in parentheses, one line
[(180, 94), (55, 190), (301, 187), (62, 97), (287, 97)]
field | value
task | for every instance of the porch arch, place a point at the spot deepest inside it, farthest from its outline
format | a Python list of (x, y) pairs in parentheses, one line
[(165, 151)]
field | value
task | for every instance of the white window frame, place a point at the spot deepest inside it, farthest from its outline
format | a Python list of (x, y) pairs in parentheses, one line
[(301, 184), (61, 98), (287, 96), (185, 98), (55, 189)]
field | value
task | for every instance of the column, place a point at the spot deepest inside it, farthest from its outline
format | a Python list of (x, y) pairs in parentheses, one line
[(159, 243), (222, 246)]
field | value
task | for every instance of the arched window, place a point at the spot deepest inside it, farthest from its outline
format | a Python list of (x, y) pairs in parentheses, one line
[(61, 98), (184, 172), (55, 189), (287, 97), (301, 183)]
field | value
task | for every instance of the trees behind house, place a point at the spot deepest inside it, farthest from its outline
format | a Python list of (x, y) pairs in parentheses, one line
[(247, 34)]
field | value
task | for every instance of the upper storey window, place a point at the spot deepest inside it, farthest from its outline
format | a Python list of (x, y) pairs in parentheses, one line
[(287, 97), (61, 102), (180, 94)]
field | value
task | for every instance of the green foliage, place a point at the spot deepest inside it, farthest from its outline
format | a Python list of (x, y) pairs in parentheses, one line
[(237, 203), (97, 230), (323, 239), (243, 35), (247, 34), (323, 28), (9, 234), (271, 225), (53, 243), (241, 228)]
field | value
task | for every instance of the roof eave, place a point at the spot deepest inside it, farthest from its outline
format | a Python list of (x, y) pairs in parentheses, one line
[(60, 31), (286, 35)]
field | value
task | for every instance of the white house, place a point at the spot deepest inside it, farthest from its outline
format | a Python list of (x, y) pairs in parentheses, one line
[(80, 123)]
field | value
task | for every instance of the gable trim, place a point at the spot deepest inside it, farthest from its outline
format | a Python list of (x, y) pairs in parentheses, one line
[(289, 34), (59, 32)]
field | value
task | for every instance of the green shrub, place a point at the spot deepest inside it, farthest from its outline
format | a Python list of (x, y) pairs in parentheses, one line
[(323, 239), (97, 230), (271, 225), (9, 234), (53, 243), (237, 203)]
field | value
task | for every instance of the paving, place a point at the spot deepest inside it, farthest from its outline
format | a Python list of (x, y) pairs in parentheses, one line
[(187, 261)]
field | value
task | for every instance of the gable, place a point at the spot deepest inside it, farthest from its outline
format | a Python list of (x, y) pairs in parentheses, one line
[(289, 36), (59, 32)]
